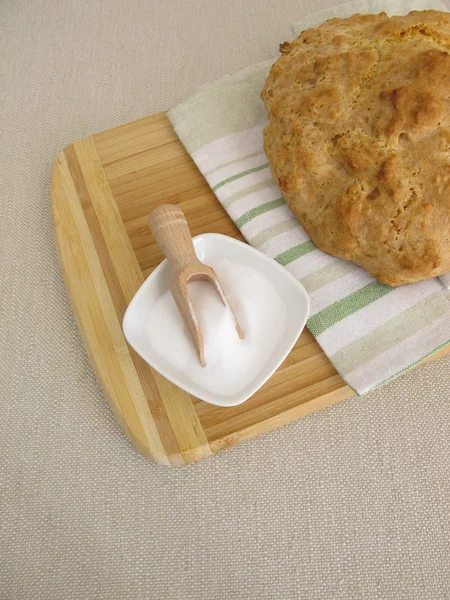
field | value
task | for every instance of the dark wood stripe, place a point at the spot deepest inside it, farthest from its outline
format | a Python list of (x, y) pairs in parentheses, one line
[(143, 370)]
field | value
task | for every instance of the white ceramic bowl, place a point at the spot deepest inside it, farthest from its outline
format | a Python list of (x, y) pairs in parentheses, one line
[(209, 245)]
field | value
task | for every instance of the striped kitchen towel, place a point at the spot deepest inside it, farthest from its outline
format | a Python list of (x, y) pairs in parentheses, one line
[(370, 331)]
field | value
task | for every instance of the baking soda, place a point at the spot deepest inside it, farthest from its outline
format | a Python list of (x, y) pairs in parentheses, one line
[(231, 363)]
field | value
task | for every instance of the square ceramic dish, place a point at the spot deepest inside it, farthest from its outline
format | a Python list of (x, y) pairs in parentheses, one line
[(208, 246)]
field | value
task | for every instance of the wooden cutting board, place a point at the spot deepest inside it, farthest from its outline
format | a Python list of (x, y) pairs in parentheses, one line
[(103, 188)]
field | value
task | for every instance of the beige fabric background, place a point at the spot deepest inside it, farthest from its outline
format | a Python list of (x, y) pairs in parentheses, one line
[(350, 503)]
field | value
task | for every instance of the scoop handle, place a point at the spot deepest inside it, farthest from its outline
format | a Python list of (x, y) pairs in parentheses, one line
[(171, 231)]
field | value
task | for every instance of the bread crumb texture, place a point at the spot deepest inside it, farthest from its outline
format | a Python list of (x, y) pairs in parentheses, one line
[(358, 140)]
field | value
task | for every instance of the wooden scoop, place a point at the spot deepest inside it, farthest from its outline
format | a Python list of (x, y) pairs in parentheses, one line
[(171, 230)]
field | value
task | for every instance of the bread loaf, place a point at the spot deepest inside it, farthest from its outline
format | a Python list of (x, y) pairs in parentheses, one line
[(359, 140)]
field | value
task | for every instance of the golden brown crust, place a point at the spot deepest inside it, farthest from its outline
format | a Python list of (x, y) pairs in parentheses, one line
[(359, 140)]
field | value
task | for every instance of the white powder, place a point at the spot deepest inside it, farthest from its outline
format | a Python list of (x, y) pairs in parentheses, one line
[(231, 363)]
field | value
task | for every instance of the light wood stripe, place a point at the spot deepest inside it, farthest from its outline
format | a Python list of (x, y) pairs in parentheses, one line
[(124, 278), (184, 420), (96, 316), (142, 160), (116, 291), (135, 143), (173, 168), (119, 134)]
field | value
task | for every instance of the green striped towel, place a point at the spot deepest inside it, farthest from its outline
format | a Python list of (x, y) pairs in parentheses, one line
[(370, 332)]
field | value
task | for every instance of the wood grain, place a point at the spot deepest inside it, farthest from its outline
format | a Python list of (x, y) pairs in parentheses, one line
[(103, 189)]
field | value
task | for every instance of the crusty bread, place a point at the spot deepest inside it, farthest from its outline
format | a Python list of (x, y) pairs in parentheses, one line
[(359, 140)]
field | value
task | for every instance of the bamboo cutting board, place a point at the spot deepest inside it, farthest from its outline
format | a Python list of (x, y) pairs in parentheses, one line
[(103, 188)]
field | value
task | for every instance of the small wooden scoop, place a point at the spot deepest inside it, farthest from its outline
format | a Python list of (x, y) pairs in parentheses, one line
[(171, 230)]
